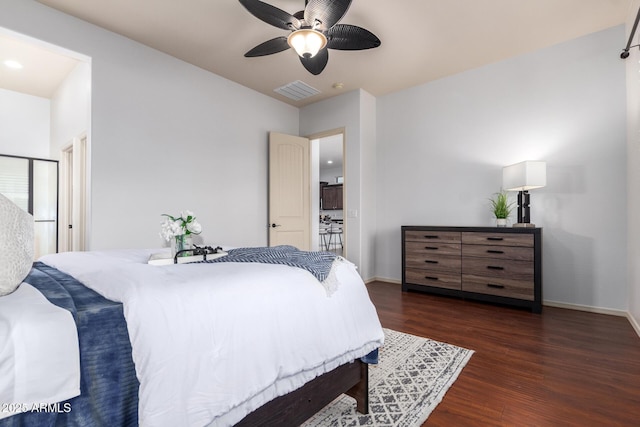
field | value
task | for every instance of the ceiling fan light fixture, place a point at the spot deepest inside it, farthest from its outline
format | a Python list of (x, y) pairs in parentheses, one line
[(307, 42), (314, 31)]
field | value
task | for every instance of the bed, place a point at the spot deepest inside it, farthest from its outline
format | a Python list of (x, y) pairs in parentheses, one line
[(216, 343)]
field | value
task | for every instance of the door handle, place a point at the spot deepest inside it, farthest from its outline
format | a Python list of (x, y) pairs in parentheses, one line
[(274, 225)]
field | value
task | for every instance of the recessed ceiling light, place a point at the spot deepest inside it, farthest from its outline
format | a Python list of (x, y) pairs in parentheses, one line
[(10, 63), (330, 161)]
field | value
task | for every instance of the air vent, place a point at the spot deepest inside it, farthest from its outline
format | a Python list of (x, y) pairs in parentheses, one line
[(297, 90)]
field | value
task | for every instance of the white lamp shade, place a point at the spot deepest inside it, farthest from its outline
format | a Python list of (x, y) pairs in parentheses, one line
[(524, 176), (307, 42)]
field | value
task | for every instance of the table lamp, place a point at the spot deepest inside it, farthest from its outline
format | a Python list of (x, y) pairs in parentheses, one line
[(522, 177)]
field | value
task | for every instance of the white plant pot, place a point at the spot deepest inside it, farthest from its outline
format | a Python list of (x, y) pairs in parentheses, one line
[(501, 222)]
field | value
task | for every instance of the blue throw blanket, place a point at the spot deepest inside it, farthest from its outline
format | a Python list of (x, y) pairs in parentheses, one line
[(108, 383), (316, 263)]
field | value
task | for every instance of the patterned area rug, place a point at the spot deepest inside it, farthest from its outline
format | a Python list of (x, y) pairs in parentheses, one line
[(412, 377)]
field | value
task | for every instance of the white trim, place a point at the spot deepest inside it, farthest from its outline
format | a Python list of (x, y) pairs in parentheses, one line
[(588, 308), (74, 210), (383, 279), (80, 192), (634, 323), (578, 307), (64, 183), (315, 182)]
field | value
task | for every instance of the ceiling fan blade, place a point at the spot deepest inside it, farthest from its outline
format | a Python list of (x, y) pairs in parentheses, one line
[(325, 12), (271, 14), (316, 64), (269, 47), (351, 37)]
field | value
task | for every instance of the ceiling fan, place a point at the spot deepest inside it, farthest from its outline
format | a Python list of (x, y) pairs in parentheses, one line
[(313, 30)]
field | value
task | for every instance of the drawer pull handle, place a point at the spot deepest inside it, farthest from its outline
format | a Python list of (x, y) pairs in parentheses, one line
[(493, 285), (495, 239), (431, 278), (431, 237), (431, 248), (494, 267), (428, 261), (493, 251)]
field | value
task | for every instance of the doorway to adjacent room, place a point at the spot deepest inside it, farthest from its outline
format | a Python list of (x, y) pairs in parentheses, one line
[(329, 210)]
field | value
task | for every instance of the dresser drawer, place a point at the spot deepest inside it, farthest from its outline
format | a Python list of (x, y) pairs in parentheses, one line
[(434, 262), (432, 278), (499, 239), (520, 253), (498, 268), (432, 236), (503, 287), (432, 248), (501, 265)]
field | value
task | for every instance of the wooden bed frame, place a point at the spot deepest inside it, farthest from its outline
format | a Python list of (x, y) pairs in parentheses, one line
[(298, 406)]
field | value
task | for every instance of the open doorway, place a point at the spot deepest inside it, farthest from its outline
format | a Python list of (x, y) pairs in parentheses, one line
[(50, 98), (329, 203)]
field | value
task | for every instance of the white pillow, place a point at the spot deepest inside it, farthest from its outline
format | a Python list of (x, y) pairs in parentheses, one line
[(16, 245)]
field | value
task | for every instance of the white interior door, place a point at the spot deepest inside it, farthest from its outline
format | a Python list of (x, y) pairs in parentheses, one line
[(289, 191)]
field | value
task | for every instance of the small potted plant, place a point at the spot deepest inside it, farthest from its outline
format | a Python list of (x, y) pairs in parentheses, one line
[(501, 208)]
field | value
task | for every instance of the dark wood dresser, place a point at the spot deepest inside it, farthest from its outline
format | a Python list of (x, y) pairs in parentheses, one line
[(501, 265)]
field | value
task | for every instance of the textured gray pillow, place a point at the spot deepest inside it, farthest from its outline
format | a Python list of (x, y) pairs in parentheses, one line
[(16, 245)]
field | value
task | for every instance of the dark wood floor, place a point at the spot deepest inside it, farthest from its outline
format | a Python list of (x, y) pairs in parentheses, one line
[(558, 368)]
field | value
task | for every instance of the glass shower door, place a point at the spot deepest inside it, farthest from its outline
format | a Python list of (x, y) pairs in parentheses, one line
[(32, 184)]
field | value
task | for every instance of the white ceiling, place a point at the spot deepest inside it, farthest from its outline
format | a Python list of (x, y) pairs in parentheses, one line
[(42, 72), (422, 40)]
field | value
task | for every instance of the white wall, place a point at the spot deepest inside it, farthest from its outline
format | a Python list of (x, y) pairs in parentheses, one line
[(71, 119), (168, 136), (442, 146), (71, 108), (368, 184), (165, 136), (24, 124), (633, 171), (352, 112)]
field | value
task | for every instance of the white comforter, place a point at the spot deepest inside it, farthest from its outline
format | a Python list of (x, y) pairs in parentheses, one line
[(212, 342), (39, 353)]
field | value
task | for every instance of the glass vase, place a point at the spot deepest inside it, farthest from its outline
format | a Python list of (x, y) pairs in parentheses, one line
[(181, 243)]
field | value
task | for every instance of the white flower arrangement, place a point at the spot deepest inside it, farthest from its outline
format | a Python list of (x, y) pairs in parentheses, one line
[(185, 224)]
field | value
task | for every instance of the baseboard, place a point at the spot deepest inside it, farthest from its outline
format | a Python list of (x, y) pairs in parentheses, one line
[(599, 310), (547, 303), (634, 323), (383, 279), (588, 308)]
